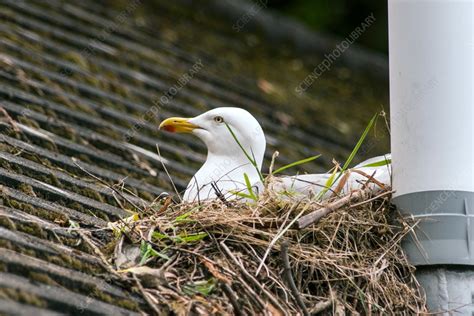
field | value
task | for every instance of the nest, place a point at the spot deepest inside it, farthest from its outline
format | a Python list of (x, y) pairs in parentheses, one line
[(252, 258)]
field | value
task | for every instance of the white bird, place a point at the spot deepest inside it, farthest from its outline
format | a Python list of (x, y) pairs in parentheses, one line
[(231, 157)]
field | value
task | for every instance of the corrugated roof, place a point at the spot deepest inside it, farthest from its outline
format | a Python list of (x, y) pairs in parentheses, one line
[(77, 80)]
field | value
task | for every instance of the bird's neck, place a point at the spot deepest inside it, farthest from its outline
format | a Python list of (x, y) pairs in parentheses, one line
[(219, 168), (225, 172)]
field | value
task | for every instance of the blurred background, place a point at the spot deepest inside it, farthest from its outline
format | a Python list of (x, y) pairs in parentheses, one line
[(339, 17)]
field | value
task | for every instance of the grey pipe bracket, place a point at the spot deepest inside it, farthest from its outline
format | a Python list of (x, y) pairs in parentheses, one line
[(445, 232)]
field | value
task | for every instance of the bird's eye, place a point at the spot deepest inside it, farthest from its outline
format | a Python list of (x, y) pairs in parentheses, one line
[(219, 119)]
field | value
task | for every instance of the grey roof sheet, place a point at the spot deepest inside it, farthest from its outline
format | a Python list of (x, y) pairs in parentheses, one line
[(76, 77)]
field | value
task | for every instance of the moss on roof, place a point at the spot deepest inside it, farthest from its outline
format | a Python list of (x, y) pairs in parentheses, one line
[(77, 79)]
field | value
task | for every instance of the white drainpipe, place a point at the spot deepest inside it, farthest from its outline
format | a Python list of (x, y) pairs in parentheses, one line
[(431, 50)]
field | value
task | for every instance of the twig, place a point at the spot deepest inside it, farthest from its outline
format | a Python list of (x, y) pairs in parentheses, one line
[(250, 278), (370, 178), (340, 309), (10, 120), (167, 173), (279, 235), (219, 194), (99, 253), (233, 299), (321, 306), (108, 186), (315, 216), (374, 198), (253, 295), (288, 275), (342, 183), (272, 163), (145, 296)]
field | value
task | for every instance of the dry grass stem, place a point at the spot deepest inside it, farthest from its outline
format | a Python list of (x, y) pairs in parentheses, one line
[(208, 255)]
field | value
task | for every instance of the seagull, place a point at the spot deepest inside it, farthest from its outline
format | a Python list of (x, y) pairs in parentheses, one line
[(226, 163), (236, 145)]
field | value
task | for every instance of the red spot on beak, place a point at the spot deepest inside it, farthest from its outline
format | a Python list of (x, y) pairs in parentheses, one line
[(169, 128)]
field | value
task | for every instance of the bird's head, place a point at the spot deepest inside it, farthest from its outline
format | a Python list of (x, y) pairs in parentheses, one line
[(214, 129)]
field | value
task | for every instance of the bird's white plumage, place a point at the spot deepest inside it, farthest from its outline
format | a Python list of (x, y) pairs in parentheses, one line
[(311, 185), (227, 163)]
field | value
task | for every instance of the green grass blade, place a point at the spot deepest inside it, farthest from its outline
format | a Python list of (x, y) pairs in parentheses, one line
[(242, 195), (296, 163), (183, 218), (359, 143), (249, 187), (155, 253), (240, 145), (379, 163), (159, 236), (252, 161), (145, 251), (331, 180), (250, 195), (204, 288), (193, 237)]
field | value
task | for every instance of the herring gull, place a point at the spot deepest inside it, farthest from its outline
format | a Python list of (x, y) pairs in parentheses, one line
[(236, 145)]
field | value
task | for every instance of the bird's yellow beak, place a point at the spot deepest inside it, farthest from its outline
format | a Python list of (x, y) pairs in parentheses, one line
[(178, 125)]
